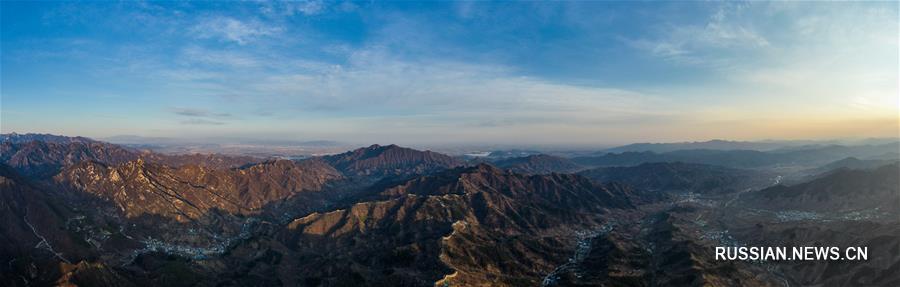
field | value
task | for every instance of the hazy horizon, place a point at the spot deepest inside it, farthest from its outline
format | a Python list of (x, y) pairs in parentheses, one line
[(452, 147), (420, 74)]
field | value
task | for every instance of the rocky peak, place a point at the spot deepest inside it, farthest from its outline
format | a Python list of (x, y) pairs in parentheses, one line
[(486, 168), (382, 147)]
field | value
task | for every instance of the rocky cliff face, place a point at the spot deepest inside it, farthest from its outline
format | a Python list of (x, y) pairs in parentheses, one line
[(189, 192)]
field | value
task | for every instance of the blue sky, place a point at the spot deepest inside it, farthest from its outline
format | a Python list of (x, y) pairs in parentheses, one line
[(452, 72)]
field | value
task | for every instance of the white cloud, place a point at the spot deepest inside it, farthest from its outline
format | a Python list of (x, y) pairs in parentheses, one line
[(233, 30), (310, 7), (201, 122), (196, 54), (375, 83), (828, 60), (305, 7), (696, 44), (841, 57)]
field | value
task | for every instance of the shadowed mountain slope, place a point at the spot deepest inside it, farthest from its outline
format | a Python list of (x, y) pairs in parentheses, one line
[(842, 190), (678, 176), (538, 164), (465, 225), (390, 160)]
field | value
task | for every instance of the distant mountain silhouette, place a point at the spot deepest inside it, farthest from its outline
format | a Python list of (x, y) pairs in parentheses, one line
[(538, 164), (709, 145), (47, 138), (390, 160), (853, 163), (795, 156), (500, 154), (678, 176)]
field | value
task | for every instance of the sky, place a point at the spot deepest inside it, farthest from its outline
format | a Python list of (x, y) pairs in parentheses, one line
[(577, 73)]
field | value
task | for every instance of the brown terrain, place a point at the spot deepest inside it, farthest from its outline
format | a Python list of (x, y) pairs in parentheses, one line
[(190, 191), (88, 213)]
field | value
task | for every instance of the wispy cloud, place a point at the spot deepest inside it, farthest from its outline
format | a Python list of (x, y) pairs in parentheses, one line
[(233, 30), (310, 7), (375, 82), (191, 112), (303, 7), (486, 71), (199, 55), (201, 122), (697, 43), (193, 116)]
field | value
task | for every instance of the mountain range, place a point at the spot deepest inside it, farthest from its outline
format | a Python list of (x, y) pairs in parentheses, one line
[(82, 212), (805, 156), (538, 164), (684, 177), (718, 144)]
